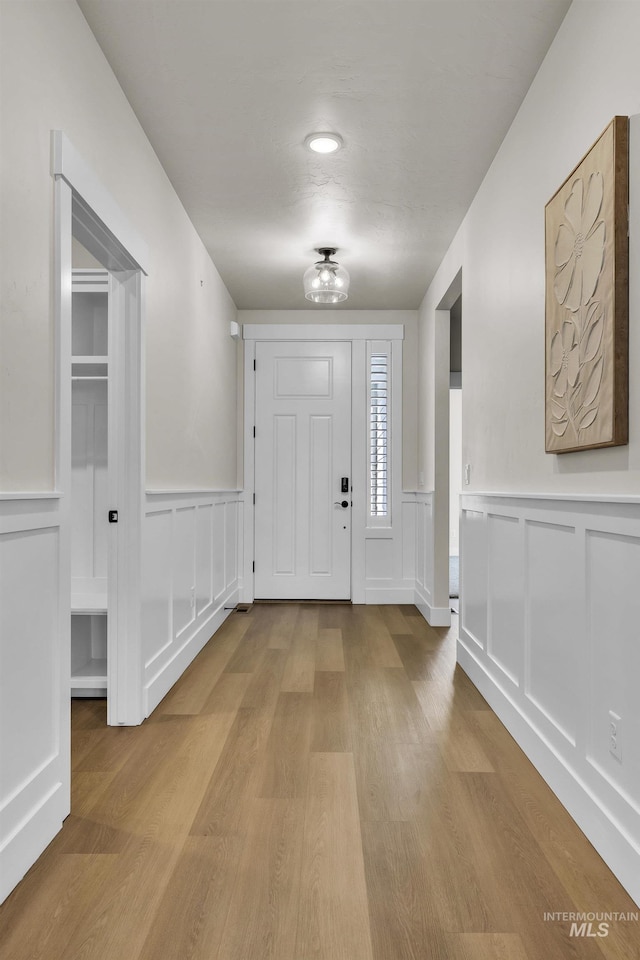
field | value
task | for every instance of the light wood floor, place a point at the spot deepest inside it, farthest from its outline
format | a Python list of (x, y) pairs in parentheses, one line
[(322, 784)]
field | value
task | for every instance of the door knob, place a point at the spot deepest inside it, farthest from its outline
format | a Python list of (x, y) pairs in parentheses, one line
[(341, 503)]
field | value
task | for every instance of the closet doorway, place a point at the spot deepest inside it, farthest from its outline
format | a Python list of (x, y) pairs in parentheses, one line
[(99, 455), (455, 450), (91, 481)]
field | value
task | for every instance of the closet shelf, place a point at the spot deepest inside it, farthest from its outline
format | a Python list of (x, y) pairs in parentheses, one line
[(92, 674), (91, 358), (86, 603)]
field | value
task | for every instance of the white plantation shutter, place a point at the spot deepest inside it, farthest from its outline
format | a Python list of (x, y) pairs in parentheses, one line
[(379, 438)]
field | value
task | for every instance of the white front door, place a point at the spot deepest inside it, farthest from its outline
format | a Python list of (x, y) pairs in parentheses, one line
[(302, 463)]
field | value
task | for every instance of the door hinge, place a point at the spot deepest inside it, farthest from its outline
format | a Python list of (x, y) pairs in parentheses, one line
[(253, 565), (254, 499), (254, 433), (254, 365)]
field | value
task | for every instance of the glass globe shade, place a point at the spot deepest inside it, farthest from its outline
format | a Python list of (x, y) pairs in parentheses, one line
[(326, 282)]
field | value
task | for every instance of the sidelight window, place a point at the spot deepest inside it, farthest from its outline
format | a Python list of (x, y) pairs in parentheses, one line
[(379, 425)]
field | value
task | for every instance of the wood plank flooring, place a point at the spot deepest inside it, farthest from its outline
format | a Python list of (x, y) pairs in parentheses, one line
[(323, 783)]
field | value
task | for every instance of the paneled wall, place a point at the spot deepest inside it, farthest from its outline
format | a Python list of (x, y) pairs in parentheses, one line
[(418, 539), (550, 609), (191, 567), (34, 704), (389, 559)]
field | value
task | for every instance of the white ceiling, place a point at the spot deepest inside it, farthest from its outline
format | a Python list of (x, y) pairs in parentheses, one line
[(422, 91)]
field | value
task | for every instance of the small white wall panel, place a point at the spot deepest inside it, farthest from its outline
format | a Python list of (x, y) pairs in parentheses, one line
[(505, 640), (379, 559), (231, 545), (613, 611), (473, 586), (184, 574), (553, 610), (28, 655), (204, 557), (156, 584), (427, 544), (421, 529), (219, 579), (409, 513)]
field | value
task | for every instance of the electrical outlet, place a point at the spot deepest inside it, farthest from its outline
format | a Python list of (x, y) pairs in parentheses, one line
[(467, 473), (615, 745)]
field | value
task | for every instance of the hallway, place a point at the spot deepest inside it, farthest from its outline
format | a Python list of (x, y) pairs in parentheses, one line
[(322, 782)]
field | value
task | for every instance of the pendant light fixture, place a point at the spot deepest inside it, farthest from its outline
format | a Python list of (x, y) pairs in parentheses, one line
[(326, 281)]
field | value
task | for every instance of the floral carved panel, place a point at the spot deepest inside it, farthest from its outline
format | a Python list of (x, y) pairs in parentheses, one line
[(587, 265)]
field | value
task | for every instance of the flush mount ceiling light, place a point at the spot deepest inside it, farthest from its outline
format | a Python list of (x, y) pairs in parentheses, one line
[(323, 142), (326, 281)]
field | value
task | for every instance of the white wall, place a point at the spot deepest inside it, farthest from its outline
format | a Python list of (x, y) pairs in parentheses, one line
[(54, 76), (501, 248), (549, 612)]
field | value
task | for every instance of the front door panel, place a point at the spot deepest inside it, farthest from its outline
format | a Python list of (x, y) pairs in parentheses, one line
[(302, 451)]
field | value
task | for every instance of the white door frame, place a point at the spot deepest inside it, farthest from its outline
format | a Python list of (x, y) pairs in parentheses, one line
[(358, 335), (441, 505), (84, 209)]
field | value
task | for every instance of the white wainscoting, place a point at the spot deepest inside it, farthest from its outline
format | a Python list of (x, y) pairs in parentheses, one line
[(34, 700), (399, 560), (390, 558), (422, 541), (191, 567), (549, 620)]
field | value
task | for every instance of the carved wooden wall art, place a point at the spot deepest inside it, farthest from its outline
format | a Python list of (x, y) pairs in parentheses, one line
[(587, 300)]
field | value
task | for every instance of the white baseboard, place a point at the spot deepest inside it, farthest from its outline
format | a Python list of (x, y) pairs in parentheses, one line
[(389, 594), (611, 842), (159, 685), (435, 616)]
